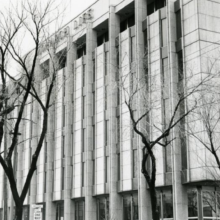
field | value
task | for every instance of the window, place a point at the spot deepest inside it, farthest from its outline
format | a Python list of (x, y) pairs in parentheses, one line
[(45, 182), (84, 107), (83, 139), (63, 178), (165, 204), (106, 97), (135, 164), (102, 39), (84, 75), (81, 49), (119, 166), (107, 171), (192, 203), (45, 152), (25, 214), (79, 210), (45, 69), (106, 63), (132, 49), (106, 132), (130, 207), (155, 5), (178, 24), (62, 59), (60, 211), (83, 174), (128, 22), (103, 209), (63, 147), (164, 32), (93, 136)]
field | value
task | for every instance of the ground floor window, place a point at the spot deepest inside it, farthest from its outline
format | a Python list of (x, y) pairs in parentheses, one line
[(1, 214), (165, 203), (203, 202), (103, 208), (60, 211), (130, 207), (79, 210), (25, 214)]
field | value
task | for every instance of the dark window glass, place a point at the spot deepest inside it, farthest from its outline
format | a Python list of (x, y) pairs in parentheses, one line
[(167, 204), (135, 164), (128, 22), (62, 59), (60, 211), (107, 170), (84, 107), (45, 152), (83, 139), (102, 39), (103, 209), (164, 32), (93, 136), (127, 208), (45, 68), (192, 204), (130, 207), (131, 21), (83, 174), (63, 178), (45, 182), (132, 49), (84, 75), (25, 214), (81, 50), (106, 132), (79, 210), (209, 204), (119, 166), (150, 8), (178, 25)]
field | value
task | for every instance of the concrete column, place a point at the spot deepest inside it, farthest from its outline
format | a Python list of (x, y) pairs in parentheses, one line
[(144, 203), (50, 206), (115, 198), (90, 202), (34, 142), (179, 191), (33, 186), (69, 208)]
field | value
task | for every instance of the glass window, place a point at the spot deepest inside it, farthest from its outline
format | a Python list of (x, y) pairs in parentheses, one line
[(135, 164), (164, 32), (60, 211), (25, 214), (192, 203), (107, 170), (167, 204), (45, 182), (132, 49), (79, 210), (178, 25), (127, 208), (84, 75), (130, 207), (119, 166), (209, 204), (103, 209)]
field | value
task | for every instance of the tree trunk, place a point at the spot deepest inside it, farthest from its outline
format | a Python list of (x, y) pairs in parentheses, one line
[(18, 212), (154, 208)]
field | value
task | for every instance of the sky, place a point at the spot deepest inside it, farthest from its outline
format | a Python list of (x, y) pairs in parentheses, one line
[(71, 7)]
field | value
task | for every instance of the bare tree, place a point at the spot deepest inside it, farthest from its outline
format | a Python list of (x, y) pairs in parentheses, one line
[(144, 98), (17, 93)]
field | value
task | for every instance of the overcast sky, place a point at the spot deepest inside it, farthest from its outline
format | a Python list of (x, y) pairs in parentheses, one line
[(72, 9)]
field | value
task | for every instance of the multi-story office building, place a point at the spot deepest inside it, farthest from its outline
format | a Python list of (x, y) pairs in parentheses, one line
[(90, 164)]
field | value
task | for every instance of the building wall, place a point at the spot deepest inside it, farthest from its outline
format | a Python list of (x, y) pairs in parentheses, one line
[(90, 163)]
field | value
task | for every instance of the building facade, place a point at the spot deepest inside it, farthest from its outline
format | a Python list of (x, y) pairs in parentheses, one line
[(90, 164)]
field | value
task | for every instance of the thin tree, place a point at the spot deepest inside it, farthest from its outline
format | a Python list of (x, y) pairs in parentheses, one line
[(151, 123), (31, 18)]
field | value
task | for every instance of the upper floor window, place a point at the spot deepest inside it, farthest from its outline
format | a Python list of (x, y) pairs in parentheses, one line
[(61, 56), (45, 68), (126, 23), (155, 5), (102, 38), (81, 50)]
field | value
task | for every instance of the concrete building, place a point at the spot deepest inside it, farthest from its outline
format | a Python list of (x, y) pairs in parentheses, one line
[(90, 164)]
